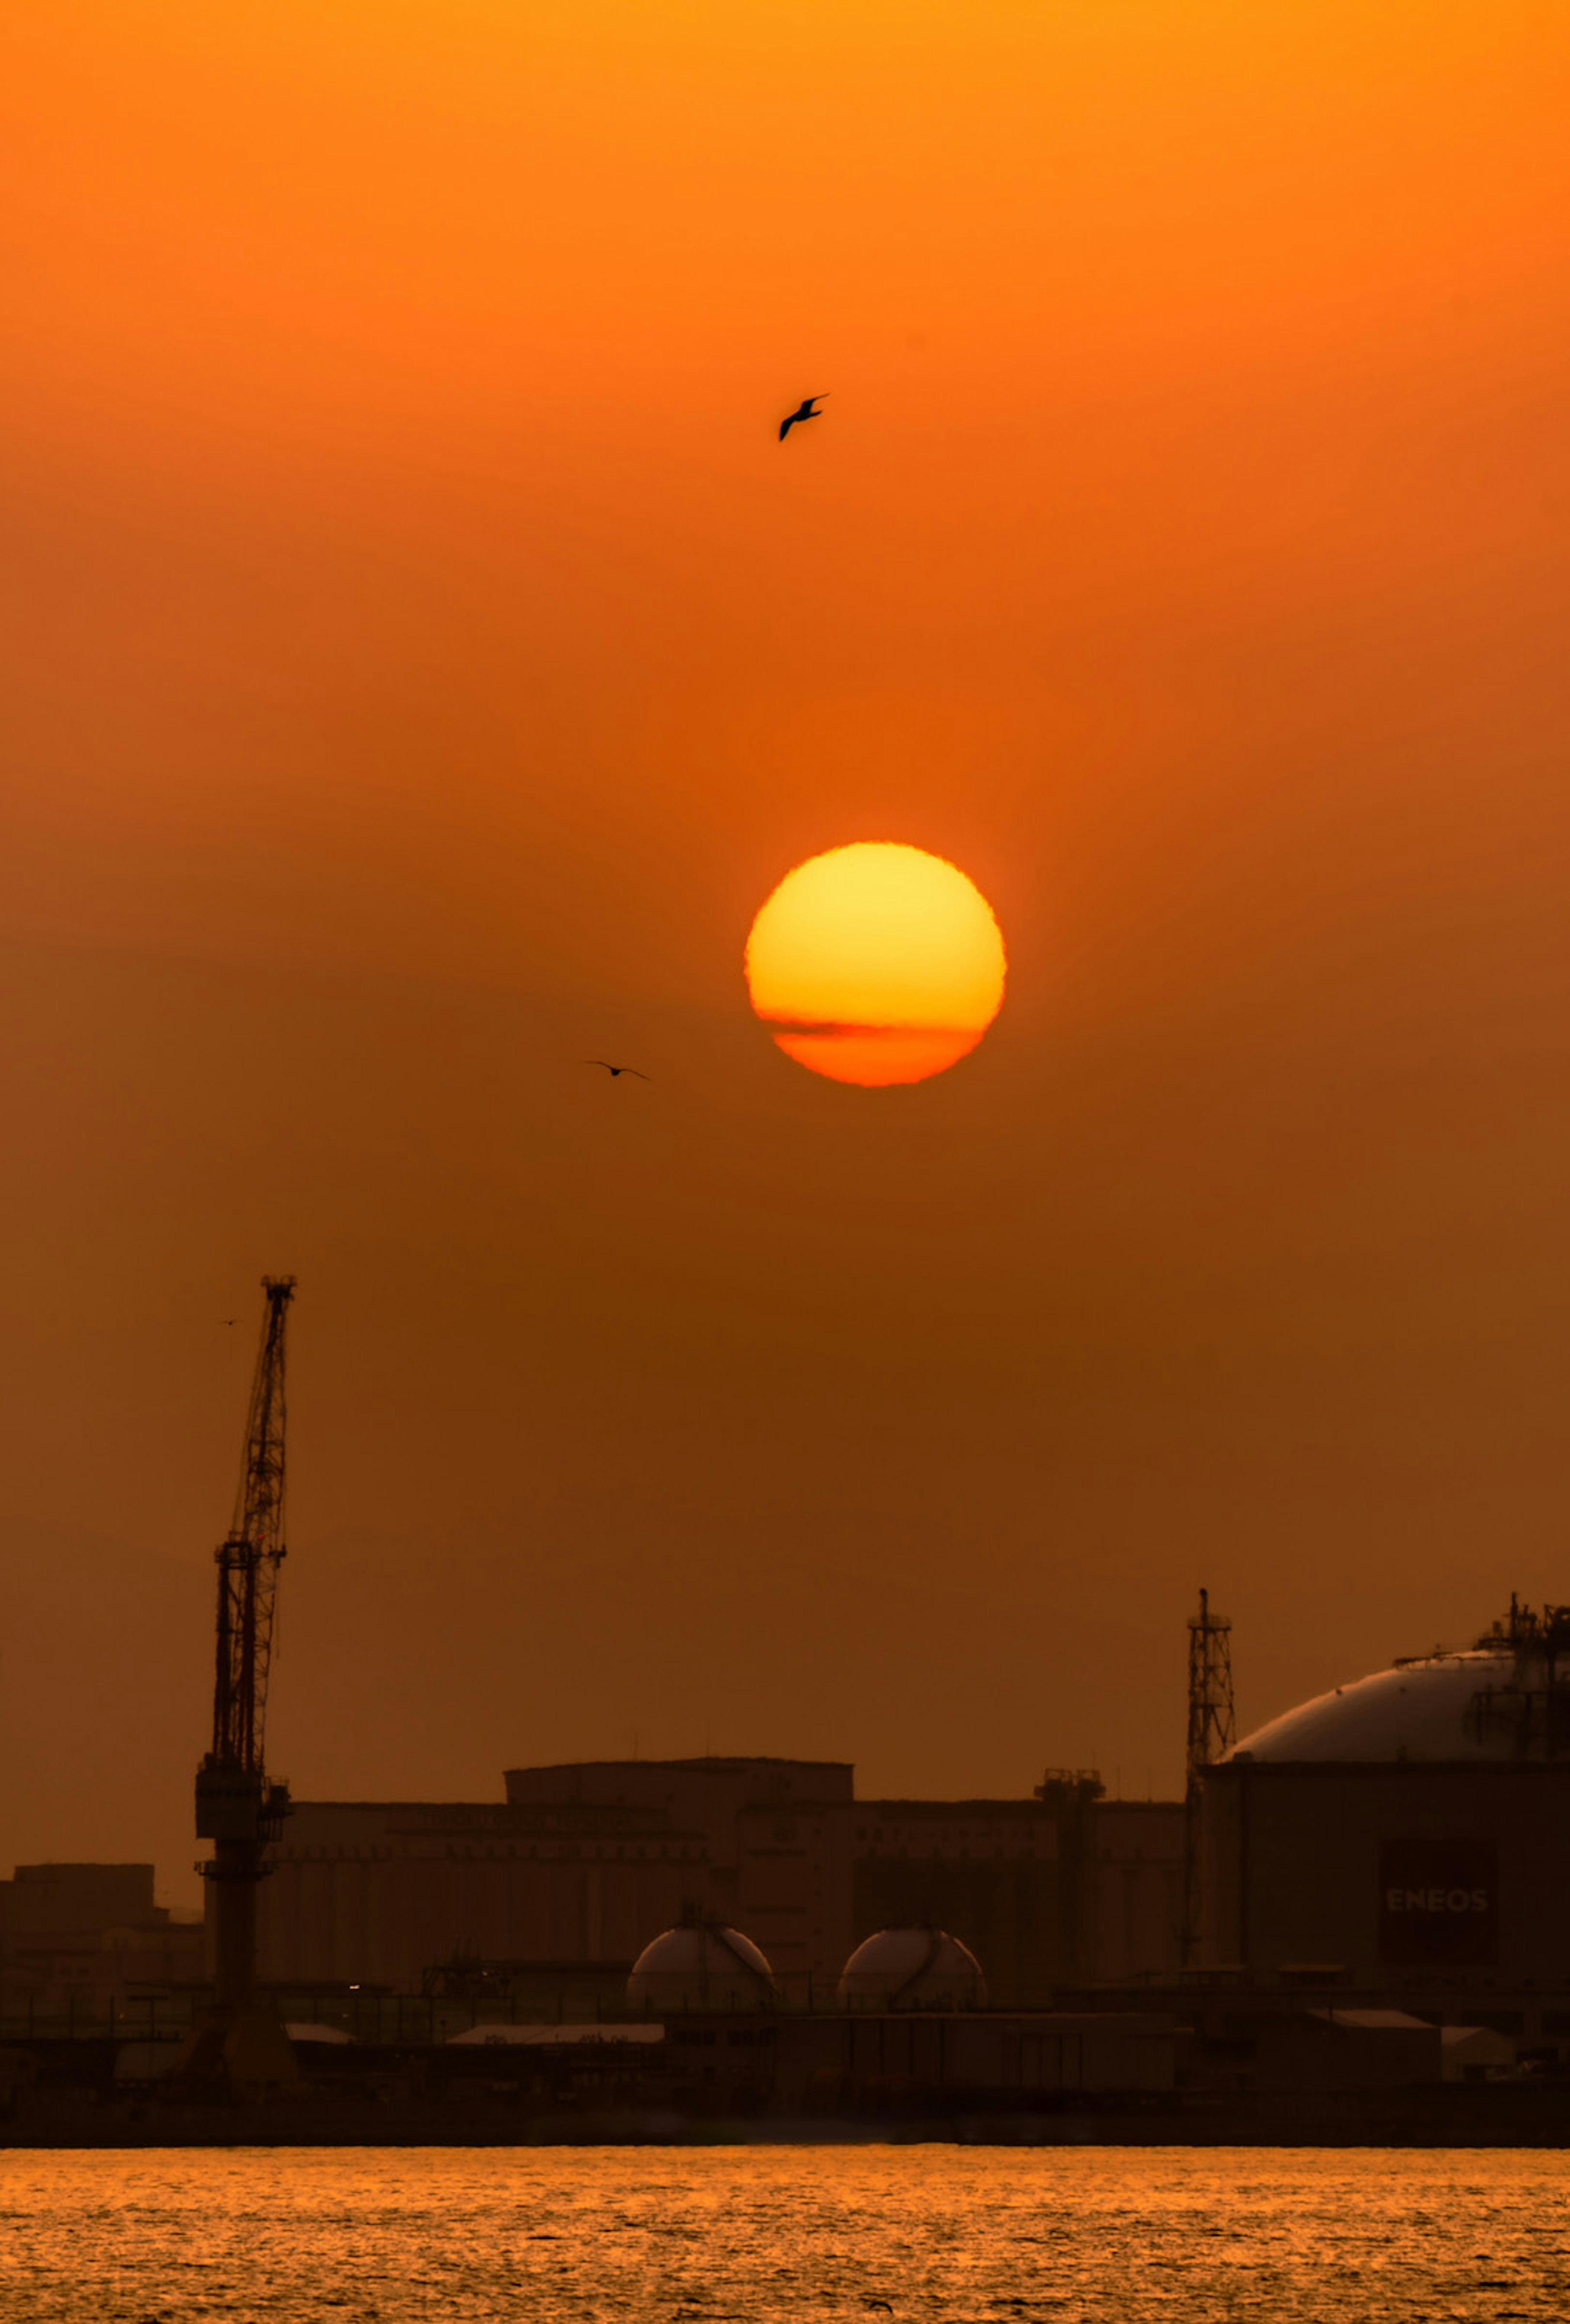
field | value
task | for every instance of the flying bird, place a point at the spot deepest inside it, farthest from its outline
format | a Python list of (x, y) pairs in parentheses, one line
[(806, 410), (878, 2303), (614, 1070)]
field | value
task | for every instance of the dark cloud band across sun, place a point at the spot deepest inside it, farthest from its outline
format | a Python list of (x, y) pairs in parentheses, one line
[(876, 963)]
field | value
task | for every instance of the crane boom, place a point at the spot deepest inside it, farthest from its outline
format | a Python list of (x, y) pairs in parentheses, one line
[(237, 1807), (249, 1558)]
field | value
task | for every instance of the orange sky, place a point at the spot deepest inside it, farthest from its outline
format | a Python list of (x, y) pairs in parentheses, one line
[(420, 660)]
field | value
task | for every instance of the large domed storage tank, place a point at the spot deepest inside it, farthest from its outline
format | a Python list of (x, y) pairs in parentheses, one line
[(913, 1969), (1476, 1705), (699, 1965), (1403, 1832)]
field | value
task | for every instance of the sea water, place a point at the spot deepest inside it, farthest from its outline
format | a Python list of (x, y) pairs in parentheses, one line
[(700, 2235)]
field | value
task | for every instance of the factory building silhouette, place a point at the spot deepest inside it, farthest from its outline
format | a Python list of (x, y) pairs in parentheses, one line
[(1388, 1861), (1404, 1834), (1410, 1830), (571, 1875)]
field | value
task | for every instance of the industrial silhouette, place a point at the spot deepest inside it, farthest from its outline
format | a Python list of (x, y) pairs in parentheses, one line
[(236, 1806), (1352, 1906), (1212, 1732)]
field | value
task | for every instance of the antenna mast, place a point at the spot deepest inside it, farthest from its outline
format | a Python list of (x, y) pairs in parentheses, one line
[(1212, 1730)]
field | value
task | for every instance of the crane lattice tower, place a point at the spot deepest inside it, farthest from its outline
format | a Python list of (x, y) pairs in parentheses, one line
[(237, 1807)]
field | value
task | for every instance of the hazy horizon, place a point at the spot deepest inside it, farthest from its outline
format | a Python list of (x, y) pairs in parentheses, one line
[(422, 660)]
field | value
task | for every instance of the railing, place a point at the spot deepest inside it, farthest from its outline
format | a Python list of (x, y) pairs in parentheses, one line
[(94, 2017), (395, 2020)]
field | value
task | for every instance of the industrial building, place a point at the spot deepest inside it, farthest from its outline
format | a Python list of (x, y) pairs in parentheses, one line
[(1404, 1831), (89, 1935), (1401, 1840), (559, 1886), (1364, 1902), (1407, 1833)]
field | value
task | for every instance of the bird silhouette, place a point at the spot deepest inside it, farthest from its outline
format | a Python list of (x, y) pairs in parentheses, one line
[(806, 410), (878, 2303), (614, 1070)]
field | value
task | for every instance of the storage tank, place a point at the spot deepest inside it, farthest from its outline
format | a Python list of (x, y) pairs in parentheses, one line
[(914, 1967), (1406, 1832), (700, 1964)]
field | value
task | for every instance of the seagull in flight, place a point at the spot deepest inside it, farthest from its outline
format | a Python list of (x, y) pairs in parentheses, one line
[(806, 410), (614, 1070)]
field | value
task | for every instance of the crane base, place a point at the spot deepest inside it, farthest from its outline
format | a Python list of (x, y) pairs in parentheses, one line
[(244, 2053)]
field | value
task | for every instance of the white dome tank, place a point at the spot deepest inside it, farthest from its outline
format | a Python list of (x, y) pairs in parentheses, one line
[(1469, 1706), (1508, 1697), (913, 1969), (700, 1965)]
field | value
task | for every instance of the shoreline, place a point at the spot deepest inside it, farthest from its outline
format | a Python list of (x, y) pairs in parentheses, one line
[(1506, 2118)]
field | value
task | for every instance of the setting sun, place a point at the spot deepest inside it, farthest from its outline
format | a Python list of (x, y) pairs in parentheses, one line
[(876, 963)]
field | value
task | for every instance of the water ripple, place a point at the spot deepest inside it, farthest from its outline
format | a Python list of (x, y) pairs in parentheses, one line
[(756, 2236)]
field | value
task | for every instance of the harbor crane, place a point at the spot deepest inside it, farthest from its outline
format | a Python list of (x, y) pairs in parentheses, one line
[(238, 1806)]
